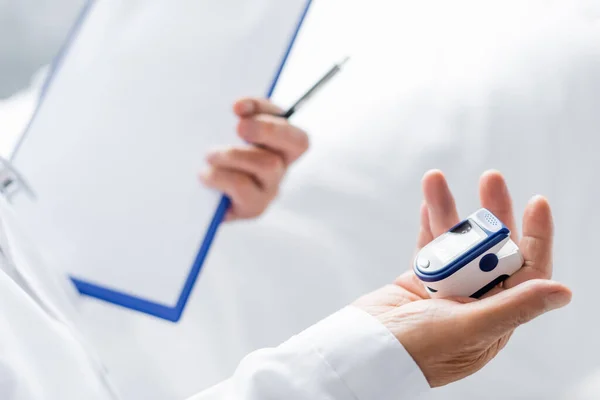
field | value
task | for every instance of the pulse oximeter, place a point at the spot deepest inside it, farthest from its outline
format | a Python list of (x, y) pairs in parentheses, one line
[(470, 259)]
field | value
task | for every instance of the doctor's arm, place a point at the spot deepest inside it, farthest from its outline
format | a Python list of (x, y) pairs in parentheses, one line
[(396, 342)]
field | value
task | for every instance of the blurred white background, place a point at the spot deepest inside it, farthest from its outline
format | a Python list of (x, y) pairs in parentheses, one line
[(31, 33), (462, 86), (16, 110)]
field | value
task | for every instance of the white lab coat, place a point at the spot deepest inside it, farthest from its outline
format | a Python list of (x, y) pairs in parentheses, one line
[(348, 356), (41, 355)]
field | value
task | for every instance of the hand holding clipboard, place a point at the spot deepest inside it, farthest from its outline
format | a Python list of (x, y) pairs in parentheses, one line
[(250, 176)]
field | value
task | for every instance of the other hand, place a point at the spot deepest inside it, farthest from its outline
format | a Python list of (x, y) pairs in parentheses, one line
[(250, 175)]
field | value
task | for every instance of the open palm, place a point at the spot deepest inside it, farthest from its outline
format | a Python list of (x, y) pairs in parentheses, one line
[(453, 338)]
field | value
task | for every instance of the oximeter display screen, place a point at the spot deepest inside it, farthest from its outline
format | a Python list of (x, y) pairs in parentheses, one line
[(452, 244)]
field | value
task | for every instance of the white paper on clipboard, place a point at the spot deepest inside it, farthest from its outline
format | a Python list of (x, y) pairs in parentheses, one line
[(112, 154)]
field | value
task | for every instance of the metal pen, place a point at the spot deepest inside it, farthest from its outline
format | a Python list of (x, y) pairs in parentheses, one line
[(320, 83)]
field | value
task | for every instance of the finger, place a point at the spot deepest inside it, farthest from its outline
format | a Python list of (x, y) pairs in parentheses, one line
[(247, 200), (409, 282), (442, 209), (425, 236), (536, 244), (266, 167), (494, 196), (249, 106), (498, 315), (274, 133)]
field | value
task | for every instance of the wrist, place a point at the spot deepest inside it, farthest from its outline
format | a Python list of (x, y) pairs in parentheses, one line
[(409, 329)]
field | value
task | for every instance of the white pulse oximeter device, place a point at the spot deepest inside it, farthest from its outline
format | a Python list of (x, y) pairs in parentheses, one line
[(469, 259)]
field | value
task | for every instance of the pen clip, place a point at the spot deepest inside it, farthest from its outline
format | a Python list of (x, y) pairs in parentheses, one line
[(11, 182)]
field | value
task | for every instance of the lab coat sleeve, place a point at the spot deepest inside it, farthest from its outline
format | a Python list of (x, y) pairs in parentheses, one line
[(347, 356)]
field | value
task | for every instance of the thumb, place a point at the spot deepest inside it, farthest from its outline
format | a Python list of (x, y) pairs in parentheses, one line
[(505, 311)]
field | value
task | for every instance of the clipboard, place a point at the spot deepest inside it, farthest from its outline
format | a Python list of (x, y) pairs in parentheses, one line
[(21, 190)]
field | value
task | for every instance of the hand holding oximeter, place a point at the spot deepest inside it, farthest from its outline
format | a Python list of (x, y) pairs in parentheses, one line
[(470, 259)]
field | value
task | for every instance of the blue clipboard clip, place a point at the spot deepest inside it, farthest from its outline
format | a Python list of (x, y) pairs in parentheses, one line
[(171, 313)]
